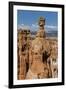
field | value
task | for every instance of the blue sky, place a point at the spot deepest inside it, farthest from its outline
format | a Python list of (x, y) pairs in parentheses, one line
[(28, 18)]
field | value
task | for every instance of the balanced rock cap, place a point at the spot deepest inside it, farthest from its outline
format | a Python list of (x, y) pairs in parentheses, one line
[(41, 21)]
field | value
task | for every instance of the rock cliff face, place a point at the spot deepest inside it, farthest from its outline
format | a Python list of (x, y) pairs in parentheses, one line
[(36, 58)]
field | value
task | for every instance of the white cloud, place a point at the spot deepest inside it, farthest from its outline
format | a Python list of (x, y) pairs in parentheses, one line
[(35, 27), (51, 27), (22, 26), (46, 26)]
